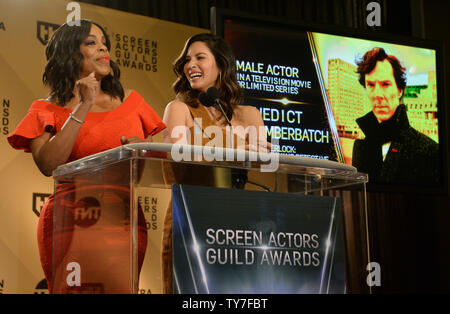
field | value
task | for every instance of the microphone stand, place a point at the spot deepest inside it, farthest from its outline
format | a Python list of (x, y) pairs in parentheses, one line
[(238, 176), (218, 105)]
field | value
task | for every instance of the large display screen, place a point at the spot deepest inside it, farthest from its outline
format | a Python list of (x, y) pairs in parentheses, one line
[(382, 118)]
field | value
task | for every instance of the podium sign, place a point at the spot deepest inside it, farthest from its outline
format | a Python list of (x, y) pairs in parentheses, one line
[(240, 241)]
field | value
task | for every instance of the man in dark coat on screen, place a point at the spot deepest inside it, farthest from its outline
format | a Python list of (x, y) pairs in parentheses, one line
[(392, 151)]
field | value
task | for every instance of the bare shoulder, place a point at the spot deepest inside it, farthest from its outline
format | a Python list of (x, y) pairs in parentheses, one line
[(249, 115), (248, 111), (176, 111), (177, 106), (127, 93)]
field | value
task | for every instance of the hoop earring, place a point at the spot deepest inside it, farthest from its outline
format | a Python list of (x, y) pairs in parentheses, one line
[(220, 79)]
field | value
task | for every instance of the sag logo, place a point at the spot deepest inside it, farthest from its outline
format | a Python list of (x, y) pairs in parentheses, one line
[(87, 212), (45, 31), (39, 200), (41, 287)]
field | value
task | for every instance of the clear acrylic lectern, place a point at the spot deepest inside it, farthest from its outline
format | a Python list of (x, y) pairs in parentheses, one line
[(104, 224)]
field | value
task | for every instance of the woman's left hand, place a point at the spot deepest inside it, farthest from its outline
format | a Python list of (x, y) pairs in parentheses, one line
[(262, 147), (134, 139)]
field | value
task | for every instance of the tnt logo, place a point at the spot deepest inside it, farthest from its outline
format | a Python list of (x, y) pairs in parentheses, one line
[(44, 31), (87, 212)]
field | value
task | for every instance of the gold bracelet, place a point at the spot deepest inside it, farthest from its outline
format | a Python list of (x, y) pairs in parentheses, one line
[(75, 118)]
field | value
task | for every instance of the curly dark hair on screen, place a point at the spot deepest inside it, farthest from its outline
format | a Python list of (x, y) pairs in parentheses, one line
[(64, 61), (368, 62), (230, 93)]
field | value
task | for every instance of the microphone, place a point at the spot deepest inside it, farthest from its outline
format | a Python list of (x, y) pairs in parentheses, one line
[(212, 95), (212, 98), (205, 100)]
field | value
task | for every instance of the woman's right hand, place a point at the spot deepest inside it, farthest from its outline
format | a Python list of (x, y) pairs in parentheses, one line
[(88, 88), (48, 151)]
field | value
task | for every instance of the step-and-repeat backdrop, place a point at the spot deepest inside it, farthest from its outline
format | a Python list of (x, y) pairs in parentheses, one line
[(145, 49)]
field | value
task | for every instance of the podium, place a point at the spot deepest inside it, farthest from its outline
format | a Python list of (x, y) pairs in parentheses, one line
[(268, 223)]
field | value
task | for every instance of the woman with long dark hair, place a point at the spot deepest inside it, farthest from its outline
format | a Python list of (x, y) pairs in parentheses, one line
[(87, 112), (208, 61)]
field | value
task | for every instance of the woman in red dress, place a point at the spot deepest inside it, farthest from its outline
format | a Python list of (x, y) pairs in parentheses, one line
[(87, 112)]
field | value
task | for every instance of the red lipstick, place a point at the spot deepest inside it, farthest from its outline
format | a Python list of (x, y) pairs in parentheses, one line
[(103, 59)]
